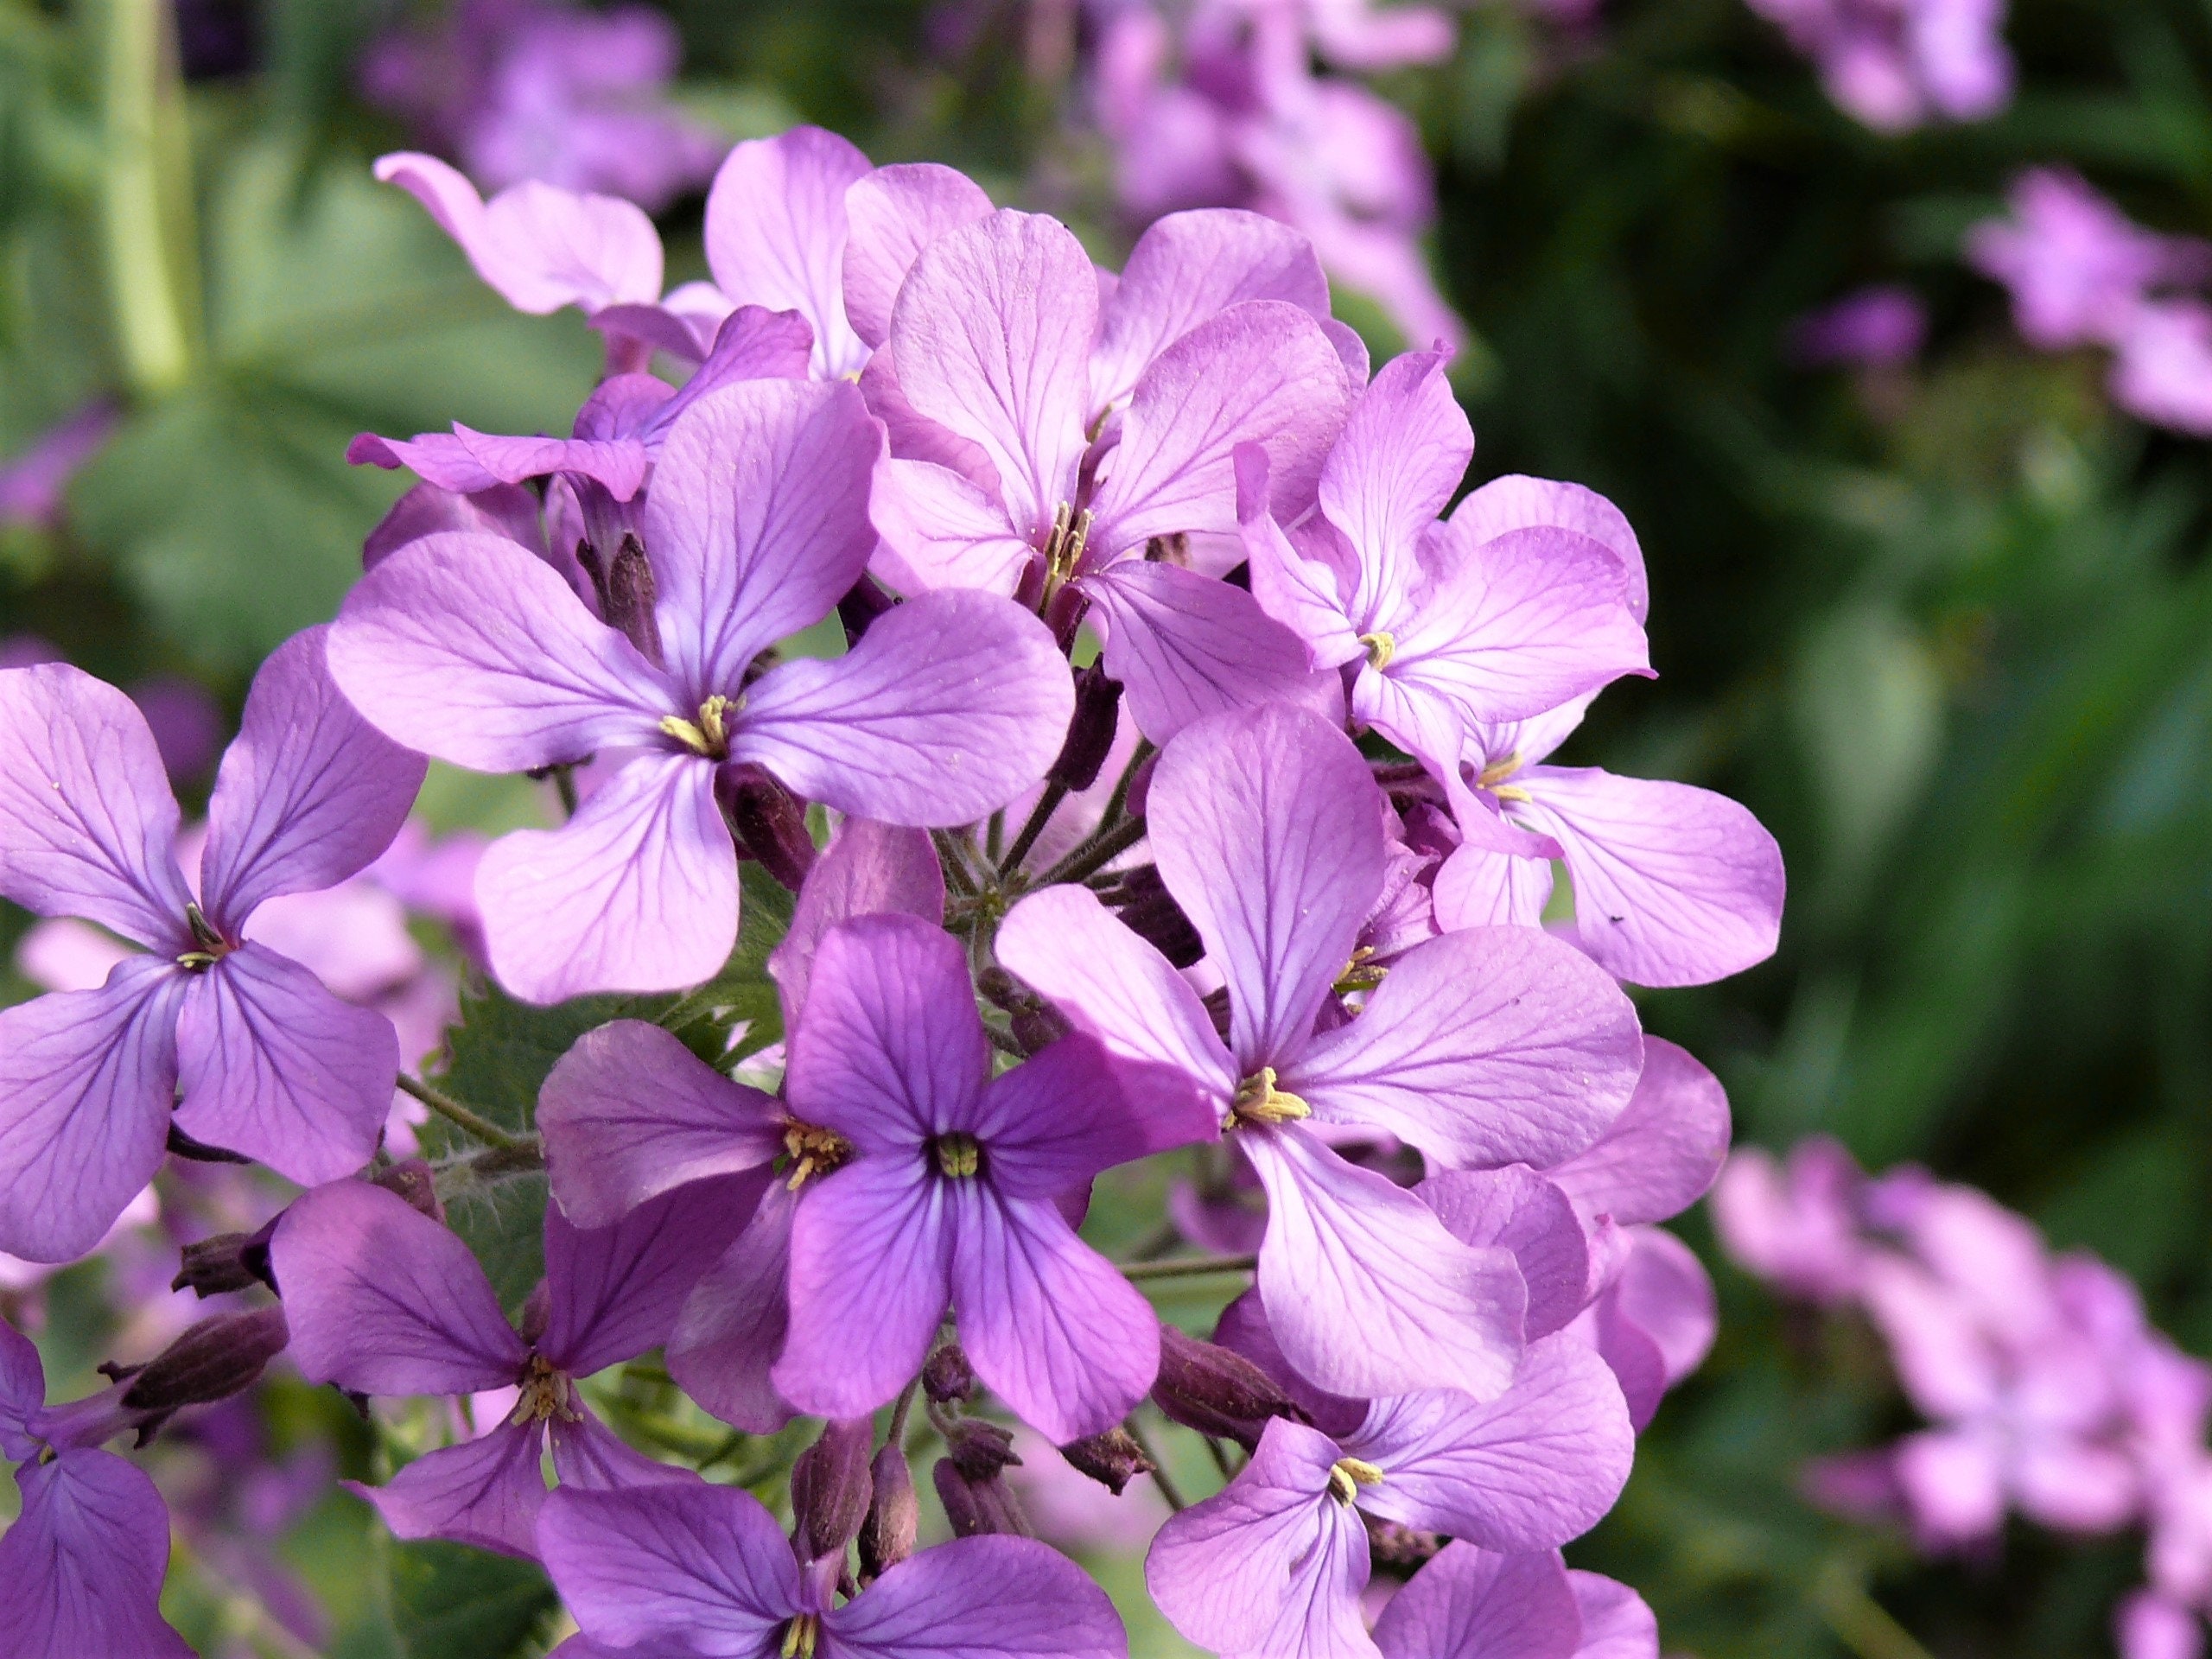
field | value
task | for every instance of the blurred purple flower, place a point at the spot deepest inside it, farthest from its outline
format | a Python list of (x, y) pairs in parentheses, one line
[(1895, 64), (2078, 268), (31, 484), (2162, 365), (1794, 1224), (1880, 326)]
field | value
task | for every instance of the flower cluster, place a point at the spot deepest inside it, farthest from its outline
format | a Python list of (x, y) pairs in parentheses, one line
[(1895, 64), (1271, 877), (2046, 1391)]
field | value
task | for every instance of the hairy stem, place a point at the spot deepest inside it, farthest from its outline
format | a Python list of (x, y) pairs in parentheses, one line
[(957, 875), (1095, 854), (1047, 804), (1161, 1478), (466, 1118), (1188, 1267)]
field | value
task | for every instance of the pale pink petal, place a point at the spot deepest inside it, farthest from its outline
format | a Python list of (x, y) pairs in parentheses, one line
[(485, 1492), (1471, 1602), (776, 233), (1662, 1153), (892, 214), (1405, 448), (1306, 593), (1517, 502), (732, 1328)]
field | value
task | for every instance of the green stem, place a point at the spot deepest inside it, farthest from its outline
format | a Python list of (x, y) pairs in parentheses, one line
[(949, 855), (1188, 1267), (1859, 1622), (1161, 1478), (465, 1117), (1119, 800), (1047, 804), (1095, 854), (146, 202)]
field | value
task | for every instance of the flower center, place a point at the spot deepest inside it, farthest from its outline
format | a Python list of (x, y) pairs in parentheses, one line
[(814, 1151), (546, 1393), (1063, 547), (1361, 973), (958, 1155), (212, 946), (1258, 1100), (709, 735), (1493, 776), (1349, 1475), (1381, 646), (800, 1636)]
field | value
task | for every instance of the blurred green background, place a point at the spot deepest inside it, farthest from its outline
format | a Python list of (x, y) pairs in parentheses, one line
[(1946, 630)]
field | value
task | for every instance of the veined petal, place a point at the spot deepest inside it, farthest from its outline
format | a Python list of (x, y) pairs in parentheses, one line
[(616, 1291), (630, 1113), (1471, 1602), (1479, 886), (1526, 1213), (1616, 1623), (619, 463), (753, 343), (1053, 1327), (587, 1454), (1487, 1046), (272, 1066), (942, 529), (638, 891), (1265, 828), (776, 232), (84, 1563), (506, 510), (485, 1492), (469, 648), (86, 1081), (1405, 448), (757, 522), (892, 214), (868, 869), (1071, 1111), (950, 706), (982, 1597), (732, 1327), (1537, 1466), (87, 823), (1518, 502), (1366, 1292), (1305, 595), (439, 459), (1662, 1153)]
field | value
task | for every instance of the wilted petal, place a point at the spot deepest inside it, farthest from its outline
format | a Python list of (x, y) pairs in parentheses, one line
[(1673, 885), (636, 892), (1488, 1046), (1367, 1293), (757, 522), (1518, 502), (273, 1066), (629, 1113), (940, 529), (1663, 1151), (1616, 1623), (732, 1327), (892, 214), (868, 869), (469, 648), (87, 823), (776, 234), (950, 706), (84, 1563), (1536, 1466), (983, 1598), (1271, 1565), (1265, 828), (1405, 448), (382, 1299), (1471, 1602), (700, 1567), (86, 1078), (615, 1291), (1521, 1211), (485, 1492), (1051, 1326)]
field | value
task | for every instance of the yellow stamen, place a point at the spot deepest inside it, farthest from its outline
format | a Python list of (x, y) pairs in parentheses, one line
[(213, 947), (1361, 973), (1258, 1100), (709, 735), (958, 1155), (1498, 770), (546, 1393), (1349, 1475), (800, 1635), (1064, 547), (1381, 648), (814, 1151)]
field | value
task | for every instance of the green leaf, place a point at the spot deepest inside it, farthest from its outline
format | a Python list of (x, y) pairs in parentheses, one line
[(450, 1602)]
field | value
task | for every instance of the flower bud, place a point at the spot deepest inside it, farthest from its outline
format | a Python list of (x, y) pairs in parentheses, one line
[(979, 1450), (769, 822), (213, 1360), (978, 1506), (411, 1178), (1395, 1544), (831, 1488), (1035, 1024), (632, 596), (1090, 733), (1063, 614), (1140, 899), (1113, 1459), (894, 1515), (227, 1261), (200, 1152), (946, 1379), (863, 602), (1216, 1390)]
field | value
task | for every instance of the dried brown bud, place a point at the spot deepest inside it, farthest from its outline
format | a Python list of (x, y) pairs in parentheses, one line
[(213, 1360), (1113, 1459), (947, 1377), (227, 1261), (1395, 1544), (980, 1449), (1216, 1390), (411, 1178), (631, 597), (831, 1487), (894, 1515)]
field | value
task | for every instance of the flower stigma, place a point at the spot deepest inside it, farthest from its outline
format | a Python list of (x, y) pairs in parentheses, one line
[(1361, 973), (1381, 648), (546, 1393), (958, 1155), (212, 946), (1493, 776), (1063, 547), (800, 1635)]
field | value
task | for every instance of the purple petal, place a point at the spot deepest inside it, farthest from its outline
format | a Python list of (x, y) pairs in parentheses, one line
[(1186, 646), (870, 1279), (272, 1066), (86, 1081), (701, 1567), (1493, 1046), (485, 1492), (1616, 1623), (1266, 831), (84, 1563), (439, 459), (1069, 1112), (1070, 948), (1244, 1327), (87, 823), (940, 529), (615, 1291), (22, 1392), (538, 247), (619, 463), (894, 213), (1405, 448), (1053, 1327), (1480, 885), (1662, 1153), (757, 521), (1665, 1291), (1188, 267), (1953, 1484), (914, 436), (1261, 373), (1519, 1209), (1517, 502), (1471, 1602), (587, 1454), (950, 706), (983, 1598), (382, 1299), (868, 869), (469, 648), (754, 343), (733, 1325), (308, 793), (663, 328), (1539, 1465), (1673, 885), (1304, 585), (993, 331), (629, 1113), (636, 892), (776, 233), (1271, 1565), (1367, 1293), (504, 510)]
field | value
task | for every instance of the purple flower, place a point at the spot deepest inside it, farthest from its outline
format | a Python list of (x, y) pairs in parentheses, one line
[(1794, 1225), (2078, 268), (85, 1558), (31, 484), (949, 1195), (1880, 326), (470, 648), (1896, 64), (382, 1299), (1484, 1047), (1471, 1602), (267, 1061), (700, 1570), (1275, 1564), (2162, 366)]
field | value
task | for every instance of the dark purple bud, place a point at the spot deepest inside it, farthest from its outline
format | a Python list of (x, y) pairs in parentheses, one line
[(1149, 910), (1064, 614), (947, 1378), (1113, 1459), (863, 602), (227, 1261), (213, 1360), (894, 1515), (1140, 786), (1395, 1544), (768, 821), (1216, 1390), (632, 595), (1090, 733), (537, 1313), (979, 1449), (411, 1178), (978, 1506), (831, 1488), (595, 568), (1035, 1024), (200, 1152), (1216, 1003), (1030, 589)]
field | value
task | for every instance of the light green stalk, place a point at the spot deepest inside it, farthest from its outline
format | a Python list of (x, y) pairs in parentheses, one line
[(146, 208)]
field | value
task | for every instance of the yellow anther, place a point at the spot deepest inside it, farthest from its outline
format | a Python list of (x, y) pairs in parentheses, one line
[(546, 1393), (800, 1635), (709, 735), (1498, 770), (814, 1151), (1258, 1100), (1381, 648), (1361, 973), (212, 946), (1349, 1475), (1064, 547), (958, 1155)]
